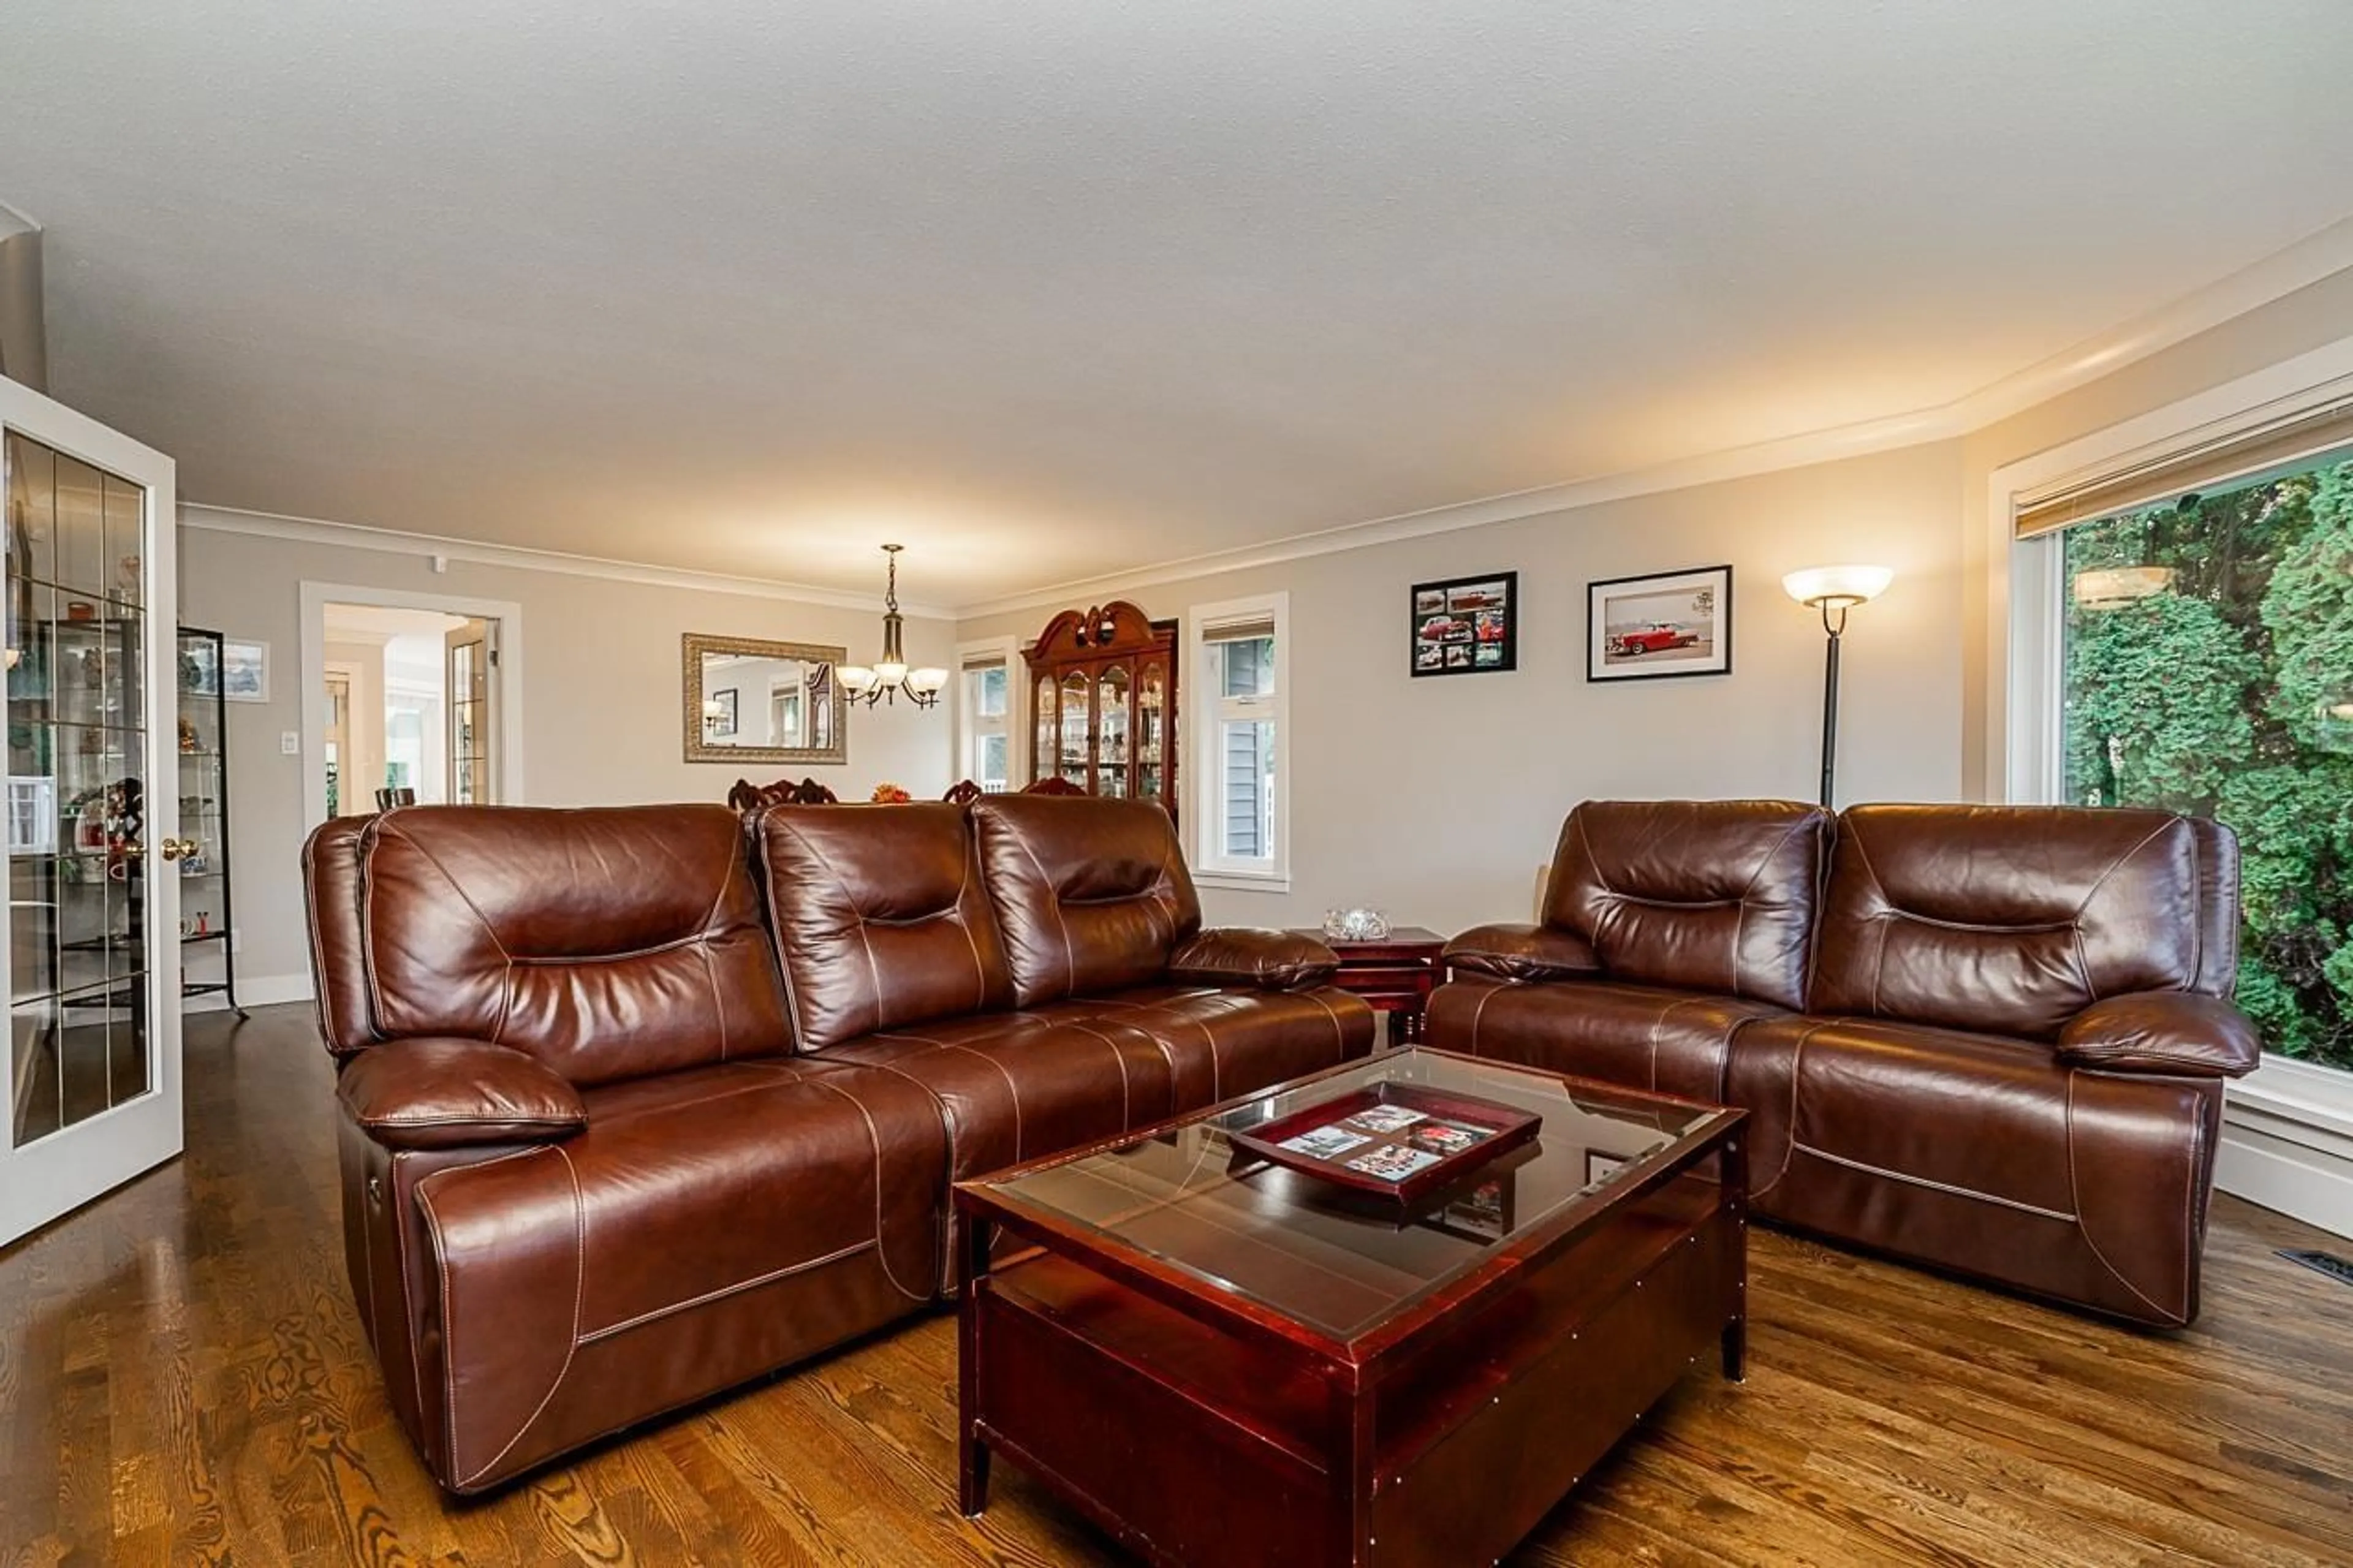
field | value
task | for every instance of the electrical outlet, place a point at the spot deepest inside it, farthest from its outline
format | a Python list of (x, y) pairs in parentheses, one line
[(289, 743)]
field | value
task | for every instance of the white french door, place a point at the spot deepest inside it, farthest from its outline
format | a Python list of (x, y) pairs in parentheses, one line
[(472, 655), (92, 926)]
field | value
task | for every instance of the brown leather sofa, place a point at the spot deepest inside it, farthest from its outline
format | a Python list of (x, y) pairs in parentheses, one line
[(1987, 1039), (640, 1103)]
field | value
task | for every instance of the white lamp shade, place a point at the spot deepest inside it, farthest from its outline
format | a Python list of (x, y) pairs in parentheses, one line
[(1837, 585), (856, 679), (891, 672), (925, 682)]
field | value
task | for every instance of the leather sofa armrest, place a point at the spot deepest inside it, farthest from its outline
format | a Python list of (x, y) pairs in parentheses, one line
[(445, 1093), (1523, 953), (1249, 955), (2176, 1032)]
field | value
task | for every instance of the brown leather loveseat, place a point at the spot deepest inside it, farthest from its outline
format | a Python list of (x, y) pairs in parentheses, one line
[(641, 1102), (1987, 1039)]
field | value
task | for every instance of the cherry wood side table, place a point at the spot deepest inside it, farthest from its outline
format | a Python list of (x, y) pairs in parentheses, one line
[(1396, 975)]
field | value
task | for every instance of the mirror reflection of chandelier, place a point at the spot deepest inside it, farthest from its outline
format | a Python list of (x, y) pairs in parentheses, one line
[(889, 675)]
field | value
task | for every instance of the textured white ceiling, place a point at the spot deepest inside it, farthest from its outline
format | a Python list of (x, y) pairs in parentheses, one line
[(1051, 288)]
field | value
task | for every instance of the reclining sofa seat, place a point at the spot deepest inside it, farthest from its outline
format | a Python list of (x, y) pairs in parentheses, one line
[(630, 1115), (2008, 1056)]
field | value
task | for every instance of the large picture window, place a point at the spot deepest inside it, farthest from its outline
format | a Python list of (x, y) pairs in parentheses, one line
[(2208, 670)]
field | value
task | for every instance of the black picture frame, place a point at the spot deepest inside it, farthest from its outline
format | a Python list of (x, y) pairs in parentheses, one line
[(1617, 655), (723, 722), (1485, 608)]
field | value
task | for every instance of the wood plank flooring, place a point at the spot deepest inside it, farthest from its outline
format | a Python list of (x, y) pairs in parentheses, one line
[(182, 1380)]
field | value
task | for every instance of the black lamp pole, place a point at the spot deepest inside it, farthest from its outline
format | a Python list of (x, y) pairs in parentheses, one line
[(1834, 629)]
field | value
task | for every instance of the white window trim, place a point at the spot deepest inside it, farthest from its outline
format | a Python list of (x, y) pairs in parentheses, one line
[(1212, 868), (2287, 1128), (2025, 614), (1017, 707)]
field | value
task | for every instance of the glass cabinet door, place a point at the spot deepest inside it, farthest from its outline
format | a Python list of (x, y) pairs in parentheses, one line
[(201, 739), (79, 939), (1151, 719), (1112, 693), (1077, 730), (1047, 726)]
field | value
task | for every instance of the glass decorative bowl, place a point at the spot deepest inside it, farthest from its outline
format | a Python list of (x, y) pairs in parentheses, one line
[(1355, 925)]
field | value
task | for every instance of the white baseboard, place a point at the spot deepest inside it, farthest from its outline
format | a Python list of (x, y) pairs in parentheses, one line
[(255, 991), (2287, 1143)]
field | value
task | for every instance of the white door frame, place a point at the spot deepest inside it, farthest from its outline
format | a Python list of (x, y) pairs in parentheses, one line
[(60, 1172), (317, 596)]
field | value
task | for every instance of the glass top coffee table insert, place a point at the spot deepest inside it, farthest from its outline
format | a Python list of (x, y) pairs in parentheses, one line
[(1223, 1361), (1290, 1243)]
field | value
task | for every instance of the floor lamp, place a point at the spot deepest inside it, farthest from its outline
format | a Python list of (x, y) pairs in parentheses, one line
[(1834, 590)]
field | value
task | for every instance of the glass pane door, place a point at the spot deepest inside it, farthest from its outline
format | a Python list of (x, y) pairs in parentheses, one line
[(93, 888), (79, 930), (471, 736)]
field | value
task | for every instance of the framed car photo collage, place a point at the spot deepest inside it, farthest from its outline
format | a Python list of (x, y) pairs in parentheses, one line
[(1467, 626)]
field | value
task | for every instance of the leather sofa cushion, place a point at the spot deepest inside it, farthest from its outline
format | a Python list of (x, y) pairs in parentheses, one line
[(709, 1225), (1247, 955), (1090, 895), (1224, 1043), (1709, 895), (331, 894), (444, 1094), (1641, 1036), (2009, 919), (607, 942), (880, 918), (1014, 1087), (1982, 1154)]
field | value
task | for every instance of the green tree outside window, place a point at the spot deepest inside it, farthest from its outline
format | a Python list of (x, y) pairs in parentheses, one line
[(2210, 670)]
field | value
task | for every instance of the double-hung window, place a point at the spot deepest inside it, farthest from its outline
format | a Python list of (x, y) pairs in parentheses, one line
[(1240, 700), (984, 716)]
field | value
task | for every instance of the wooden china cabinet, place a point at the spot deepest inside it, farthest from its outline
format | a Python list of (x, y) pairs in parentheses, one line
[(1103, 682)]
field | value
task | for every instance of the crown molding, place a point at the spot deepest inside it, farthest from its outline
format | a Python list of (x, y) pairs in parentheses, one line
[(2317, 256), (522, 558), (1709, 468)]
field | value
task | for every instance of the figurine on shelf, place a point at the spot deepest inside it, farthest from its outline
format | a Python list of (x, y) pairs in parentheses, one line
[(188, 741)]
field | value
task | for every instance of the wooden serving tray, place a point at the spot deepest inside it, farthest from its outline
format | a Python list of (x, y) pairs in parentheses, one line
[(1396, 1140)]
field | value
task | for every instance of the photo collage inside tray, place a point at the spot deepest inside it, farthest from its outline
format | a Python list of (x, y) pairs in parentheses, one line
[(1387, 1142)]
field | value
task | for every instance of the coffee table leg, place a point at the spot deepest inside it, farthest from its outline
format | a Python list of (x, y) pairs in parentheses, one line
[(972, 1453), (1733, 1167)]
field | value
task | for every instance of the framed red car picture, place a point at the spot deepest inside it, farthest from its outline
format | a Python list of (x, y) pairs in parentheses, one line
[(1467, 626), (1660, 623)]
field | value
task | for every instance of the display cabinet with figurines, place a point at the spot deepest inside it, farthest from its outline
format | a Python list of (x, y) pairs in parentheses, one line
[(207, 945), (1103, 690)]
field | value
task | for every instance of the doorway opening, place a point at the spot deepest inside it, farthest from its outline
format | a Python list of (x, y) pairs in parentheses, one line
[(407, 695), (410, 699)]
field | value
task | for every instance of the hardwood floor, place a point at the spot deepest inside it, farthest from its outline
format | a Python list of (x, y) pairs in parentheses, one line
[(183, 1380)]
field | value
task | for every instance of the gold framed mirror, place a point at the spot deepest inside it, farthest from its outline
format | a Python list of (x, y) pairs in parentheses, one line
[(748, 700)]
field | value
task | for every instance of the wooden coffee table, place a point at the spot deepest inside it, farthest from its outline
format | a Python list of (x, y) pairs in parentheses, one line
[(1223, 1361)]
